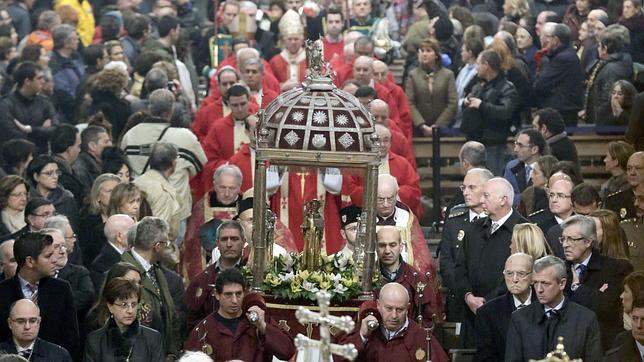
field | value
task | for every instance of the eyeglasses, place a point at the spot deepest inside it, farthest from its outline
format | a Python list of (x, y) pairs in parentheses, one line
[(521, 145), (59, 247), (165, 244), (73, 237), (23, 321), (352, 228), (52, 173), (569, 240), (19, 194), (469, 187), (126, 305), (558, 196), (390, 200), (47, 214), (519, 274)]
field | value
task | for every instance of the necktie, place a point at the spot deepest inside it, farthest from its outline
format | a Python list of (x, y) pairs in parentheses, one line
[(528, 173), (25, 353), (551, 326), (495, 227), (34, 293), (520, 306), (581, 270), (153, 278)]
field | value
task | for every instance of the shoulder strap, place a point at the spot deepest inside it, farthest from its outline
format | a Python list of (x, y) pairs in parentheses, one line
[(147, 163)]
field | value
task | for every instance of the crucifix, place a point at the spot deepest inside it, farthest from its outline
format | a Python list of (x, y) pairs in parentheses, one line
[(324, 320)]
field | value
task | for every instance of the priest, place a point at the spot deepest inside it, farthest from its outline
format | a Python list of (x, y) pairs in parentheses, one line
[(289, 66)]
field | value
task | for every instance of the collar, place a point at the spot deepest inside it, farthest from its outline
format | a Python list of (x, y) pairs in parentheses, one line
[(517, 302), (557, 137), (144, 263), (505, 218), (389, 335), (116, 247), (640, 348), (558, 219), (557, 307), (392, 276), (472, 215), (20, 349), (584, 262), (24, 283), (218, 269), (330, 41)]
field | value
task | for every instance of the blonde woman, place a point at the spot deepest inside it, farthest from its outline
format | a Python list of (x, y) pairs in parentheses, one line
[(515, 10), (528, 238)]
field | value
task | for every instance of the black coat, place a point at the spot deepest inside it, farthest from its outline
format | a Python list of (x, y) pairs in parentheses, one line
[(116, 110), (560, 82), (615, 67), (492, 321), (87, 169), (599, 291), (69, 180), (139, 343), (56, 303), (91, 236), (626, 351), (544, 219), (102, 264), (621, 203), (577, 324), (82, 288), (635, 129), (177, 291), (32, 112), (563, 149), (43, 351)]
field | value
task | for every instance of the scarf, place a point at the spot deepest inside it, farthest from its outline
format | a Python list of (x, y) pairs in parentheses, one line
[(13, 221)]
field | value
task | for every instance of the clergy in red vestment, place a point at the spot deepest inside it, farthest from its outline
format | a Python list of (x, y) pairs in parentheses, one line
[(400, 144), (289, 66), (252, 73), (397, 337), (396, 166), (363, 73), (231, 333), (332, 40), (227, 134), (381, 75), (268, 80), (212, 107)]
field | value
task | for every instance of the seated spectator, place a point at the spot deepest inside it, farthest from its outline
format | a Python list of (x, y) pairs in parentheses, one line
[(123, 336), (14, 192), (551, 125), (633, 19), (16, 155), (529, 239), (534, 197), (615, 162), (43, 173), (431, 90), (621, 102), (585, 199), (611, 239), (24, 322)]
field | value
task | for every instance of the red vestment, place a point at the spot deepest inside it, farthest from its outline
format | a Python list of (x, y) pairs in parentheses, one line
[(408, 345), (385, 95), (293, 205), (218, 146), (400, 144), (332, 49), (280, 66), (205, 116), (268, 82), (408, 183), (245, 344), (241, 159), (404, 112)]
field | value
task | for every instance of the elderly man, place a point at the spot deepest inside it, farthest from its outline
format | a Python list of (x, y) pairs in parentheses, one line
[(471, 155), (633, 228), (24, 323), (361, 19), (199, 295), (560, 208), (456, 226), (116, 230), (7, 260), (231, 333), (398, 337), (484, 250), (363, 46), (363, 74), (533, 330), (400, 144), (156, 302), (559, 82), (61, 222), (252, 73), (289, 66), (243, 54), (382, 76), (493, 318), (34, 280), (622, 202), (594, 280)]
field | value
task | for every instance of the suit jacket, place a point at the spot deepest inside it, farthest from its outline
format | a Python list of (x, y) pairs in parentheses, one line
[(544, 219), (82, 288), (456, 226), (56, 302), (577, 324), (102, 264), (599, 291), (515, 173), (625, 351), (177, 291), (492, 321), (43, 351)]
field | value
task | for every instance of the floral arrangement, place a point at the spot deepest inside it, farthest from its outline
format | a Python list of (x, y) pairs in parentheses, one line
[(336, 276)]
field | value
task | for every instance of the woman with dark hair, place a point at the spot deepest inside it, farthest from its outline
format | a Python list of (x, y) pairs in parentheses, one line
[(534, 197), (633, 290), (123, 338), (431, 90), (35, 53), (114, 161), (13, 200), (611, 239), (16, 155), (43, 173), (98, 315), (633, 19), (615, 162), (618, 111)]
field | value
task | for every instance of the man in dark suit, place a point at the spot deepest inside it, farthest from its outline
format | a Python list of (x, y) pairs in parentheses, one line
[(493, 317), (24, 323), (594, 280), (631, 347), (533, 330), (454, 230), (116, 229), (34, 255), (484, 251), (528, 147)]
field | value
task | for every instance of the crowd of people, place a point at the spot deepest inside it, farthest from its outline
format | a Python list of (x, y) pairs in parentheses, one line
[(126, 192)]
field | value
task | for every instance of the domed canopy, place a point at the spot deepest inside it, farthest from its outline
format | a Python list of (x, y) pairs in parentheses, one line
[(317, 117)]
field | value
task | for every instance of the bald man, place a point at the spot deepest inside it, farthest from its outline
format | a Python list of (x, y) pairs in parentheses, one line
[(363, 74), (116, 228), (383, 76), (493, 318), (622, 202), (400, 144), (484, 251), (396, 166), (398, 337), (24, 323)]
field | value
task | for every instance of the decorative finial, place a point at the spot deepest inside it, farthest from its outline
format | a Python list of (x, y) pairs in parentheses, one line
[(314, 53)]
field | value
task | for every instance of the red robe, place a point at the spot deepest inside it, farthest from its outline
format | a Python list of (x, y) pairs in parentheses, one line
[(280, 67), (293, 203), (209, 113), (218, 146), (241, 159), (404, 112), (267, 97), (408, 183), (385, 95), (268, 82), (332, 49), (400, 144), (345, 72)]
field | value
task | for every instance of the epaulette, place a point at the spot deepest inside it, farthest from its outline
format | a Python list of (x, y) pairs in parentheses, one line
[(536, 212), (615, 193), (457, 210), (633, 219)]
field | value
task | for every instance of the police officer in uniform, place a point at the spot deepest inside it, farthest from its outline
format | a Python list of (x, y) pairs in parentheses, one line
[(621, 202), (634, 228), (456, 226)]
